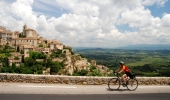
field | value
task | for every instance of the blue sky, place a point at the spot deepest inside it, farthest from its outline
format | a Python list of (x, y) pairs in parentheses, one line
[(91, 23), (158, 11)]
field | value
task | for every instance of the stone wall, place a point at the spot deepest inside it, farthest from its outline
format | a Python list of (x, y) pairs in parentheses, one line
[(76, 80)]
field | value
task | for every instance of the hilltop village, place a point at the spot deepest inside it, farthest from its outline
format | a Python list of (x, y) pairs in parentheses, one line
[(29, 40)]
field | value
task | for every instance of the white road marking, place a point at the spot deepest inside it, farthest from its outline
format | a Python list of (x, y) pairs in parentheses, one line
[(34, 86), (153, 86)]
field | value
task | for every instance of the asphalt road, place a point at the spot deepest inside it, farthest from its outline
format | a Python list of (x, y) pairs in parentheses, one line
[(85, 97), (25, 91)]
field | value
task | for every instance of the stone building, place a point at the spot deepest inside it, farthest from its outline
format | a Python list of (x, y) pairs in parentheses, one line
[(16, 62), (54, 45), (26, 41), (27, 32), (6, 36)]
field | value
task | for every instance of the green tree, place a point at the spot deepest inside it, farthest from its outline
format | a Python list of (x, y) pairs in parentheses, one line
[(96, 73), (55, 67), (28, 61), (16, 58), (164, 73), (41, 45), (37, 69), (56, 54), (17, 48), (83, 72), (92, 68), (36, 55)]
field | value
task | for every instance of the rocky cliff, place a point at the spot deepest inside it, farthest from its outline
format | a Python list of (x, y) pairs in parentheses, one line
[(75, 64)]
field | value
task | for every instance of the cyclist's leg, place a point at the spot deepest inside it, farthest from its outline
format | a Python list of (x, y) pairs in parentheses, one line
[(127, 74), (124, 78)]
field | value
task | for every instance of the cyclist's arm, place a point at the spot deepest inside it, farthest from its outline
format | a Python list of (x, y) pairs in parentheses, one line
[(121, 70), (118, 70)]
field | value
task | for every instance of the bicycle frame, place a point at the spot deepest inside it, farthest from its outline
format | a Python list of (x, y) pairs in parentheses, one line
[(131, 82)]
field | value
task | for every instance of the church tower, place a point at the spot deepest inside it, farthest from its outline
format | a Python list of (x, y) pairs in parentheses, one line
[(24, 27)]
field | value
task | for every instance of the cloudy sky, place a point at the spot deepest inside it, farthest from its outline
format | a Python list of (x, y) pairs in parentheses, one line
[(91, 23)]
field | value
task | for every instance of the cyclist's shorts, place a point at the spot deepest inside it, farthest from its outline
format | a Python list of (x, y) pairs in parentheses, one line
[(128, 74)]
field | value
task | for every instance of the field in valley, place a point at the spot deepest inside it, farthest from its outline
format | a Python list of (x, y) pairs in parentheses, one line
[(141, 62)]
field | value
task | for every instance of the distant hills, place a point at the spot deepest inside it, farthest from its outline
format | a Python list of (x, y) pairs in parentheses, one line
[(146, 47), (134, 47)]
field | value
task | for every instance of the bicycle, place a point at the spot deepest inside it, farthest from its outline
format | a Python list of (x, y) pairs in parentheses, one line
[(131, 82)]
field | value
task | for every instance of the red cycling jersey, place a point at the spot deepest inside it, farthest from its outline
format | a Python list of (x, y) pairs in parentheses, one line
[(126, 69)]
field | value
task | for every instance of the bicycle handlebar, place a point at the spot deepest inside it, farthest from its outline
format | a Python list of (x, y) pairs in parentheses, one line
[(116, 74)]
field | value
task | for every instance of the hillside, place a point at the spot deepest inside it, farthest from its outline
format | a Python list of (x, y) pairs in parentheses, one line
[(146, 47), (60, 62), (141, 62), (132, 47)]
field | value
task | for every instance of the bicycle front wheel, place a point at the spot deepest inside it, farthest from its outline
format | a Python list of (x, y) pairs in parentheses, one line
[(114, 84), (132, 84)]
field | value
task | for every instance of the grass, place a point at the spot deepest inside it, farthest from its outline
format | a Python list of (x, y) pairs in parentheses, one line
[(150, 74), (147, 60), (139, 63)]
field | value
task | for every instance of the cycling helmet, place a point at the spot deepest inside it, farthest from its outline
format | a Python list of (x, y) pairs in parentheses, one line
[(121, 62)]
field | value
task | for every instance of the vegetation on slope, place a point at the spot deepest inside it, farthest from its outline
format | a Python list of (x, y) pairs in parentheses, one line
[(141, 62)]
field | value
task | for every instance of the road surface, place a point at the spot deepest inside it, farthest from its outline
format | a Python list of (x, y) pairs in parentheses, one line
[(28, 91)]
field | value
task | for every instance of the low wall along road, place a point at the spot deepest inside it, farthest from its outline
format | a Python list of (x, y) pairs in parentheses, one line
[(77, 80)]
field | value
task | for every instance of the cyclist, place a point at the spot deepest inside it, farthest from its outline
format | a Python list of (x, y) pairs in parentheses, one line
[(125, 69)]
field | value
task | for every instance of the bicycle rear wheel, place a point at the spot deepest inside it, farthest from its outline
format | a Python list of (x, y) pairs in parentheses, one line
[(114, 84), (132, 84)]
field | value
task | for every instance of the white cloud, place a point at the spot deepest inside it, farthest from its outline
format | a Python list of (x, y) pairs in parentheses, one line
[(166, 21), (137, 17), (101, 35), (88, 22), (23, 10), (152, 2)]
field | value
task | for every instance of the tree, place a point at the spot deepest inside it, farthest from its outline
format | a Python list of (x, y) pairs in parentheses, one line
[(36, 55), (17, 48), (83, 72), (96, 73), (165, 72), (16, 58), (92, 68), (28, 61), (22, 59), (5, 62), (37, 69), (56, 54), (55, 67), (41, 45)]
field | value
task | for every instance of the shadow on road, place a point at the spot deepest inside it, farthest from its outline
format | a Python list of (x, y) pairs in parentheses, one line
[(117, 89)]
